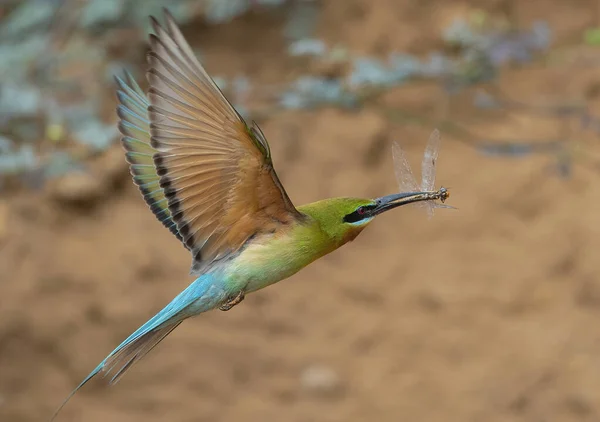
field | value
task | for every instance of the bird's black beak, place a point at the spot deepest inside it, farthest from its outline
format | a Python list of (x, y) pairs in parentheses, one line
[(388, 202)]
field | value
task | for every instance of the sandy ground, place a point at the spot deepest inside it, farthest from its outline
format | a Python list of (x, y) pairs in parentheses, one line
[(489, 313)]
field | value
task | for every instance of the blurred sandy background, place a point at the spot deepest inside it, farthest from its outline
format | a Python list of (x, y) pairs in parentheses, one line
[(488, 313)]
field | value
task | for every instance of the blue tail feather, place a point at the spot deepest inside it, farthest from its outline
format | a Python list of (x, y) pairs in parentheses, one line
[(202, 295)]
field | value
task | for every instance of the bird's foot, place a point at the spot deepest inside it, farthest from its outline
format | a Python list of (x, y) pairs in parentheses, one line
[(231, 302)]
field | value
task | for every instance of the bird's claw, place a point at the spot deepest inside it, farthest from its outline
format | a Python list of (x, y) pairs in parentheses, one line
[(231, 302)]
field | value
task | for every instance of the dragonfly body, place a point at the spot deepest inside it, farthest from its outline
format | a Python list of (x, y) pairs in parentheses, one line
[(209, 178)]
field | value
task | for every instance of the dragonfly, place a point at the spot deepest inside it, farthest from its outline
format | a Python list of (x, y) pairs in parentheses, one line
[(406, 179)]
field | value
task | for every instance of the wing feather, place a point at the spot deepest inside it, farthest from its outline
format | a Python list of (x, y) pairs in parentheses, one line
[(215, 170), (135, 127)]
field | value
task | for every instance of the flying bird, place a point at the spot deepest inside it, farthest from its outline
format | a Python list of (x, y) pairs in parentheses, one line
[(208, 177)]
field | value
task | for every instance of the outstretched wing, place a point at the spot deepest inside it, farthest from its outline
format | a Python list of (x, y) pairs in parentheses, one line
[(216, 171), (430, 160), (135, 128)]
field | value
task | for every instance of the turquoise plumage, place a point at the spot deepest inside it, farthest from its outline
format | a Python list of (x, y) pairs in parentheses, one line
[(203, 294)]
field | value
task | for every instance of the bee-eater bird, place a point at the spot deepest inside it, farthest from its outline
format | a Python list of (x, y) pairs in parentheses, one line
[(208, 177)]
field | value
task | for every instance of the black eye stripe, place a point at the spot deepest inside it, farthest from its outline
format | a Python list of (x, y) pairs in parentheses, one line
[(360, 214)]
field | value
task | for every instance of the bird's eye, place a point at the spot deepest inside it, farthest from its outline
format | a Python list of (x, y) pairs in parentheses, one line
[(358, 214)]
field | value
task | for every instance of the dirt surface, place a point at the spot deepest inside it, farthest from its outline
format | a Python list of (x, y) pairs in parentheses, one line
[(488, 313)]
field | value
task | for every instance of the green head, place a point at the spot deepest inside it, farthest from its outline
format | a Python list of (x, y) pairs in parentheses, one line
[(342, 219)]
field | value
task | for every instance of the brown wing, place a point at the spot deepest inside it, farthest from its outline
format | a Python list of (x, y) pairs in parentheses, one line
[(215, 170)]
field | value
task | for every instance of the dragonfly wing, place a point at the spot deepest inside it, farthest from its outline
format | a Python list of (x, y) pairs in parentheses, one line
[(429, 161), (438, 205), (429, 206), (404, 175)]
